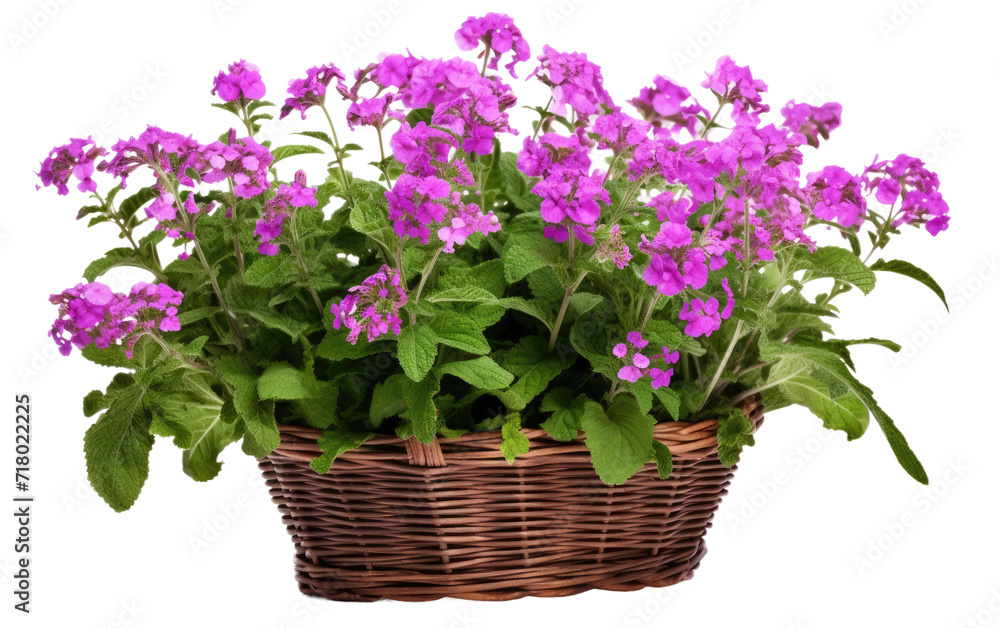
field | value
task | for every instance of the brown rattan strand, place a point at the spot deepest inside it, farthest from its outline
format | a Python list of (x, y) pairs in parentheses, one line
[(404, 520)]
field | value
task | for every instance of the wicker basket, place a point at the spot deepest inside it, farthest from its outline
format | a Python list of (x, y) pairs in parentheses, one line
[(402, 520)]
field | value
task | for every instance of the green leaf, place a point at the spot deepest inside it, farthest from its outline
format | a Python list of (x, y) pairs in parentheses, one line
[(459, 331), (333, 442), (664, 460), (567, 413), (420, 409), (334, 347), (268, 272), (620, 439), (281, 322), (131, 205), (318, 135), (372, 219), (281, 380), (534, 367), (466, 294), (117, 448), (417, 351), (387, 399), (670, 399), (482, 373), (735, 432), (582, 302), (123, 256), (826, 364), (256, 416), (283, 152), (532, 307), (835, 262), (845, 412), (514, 442), (909, 270)]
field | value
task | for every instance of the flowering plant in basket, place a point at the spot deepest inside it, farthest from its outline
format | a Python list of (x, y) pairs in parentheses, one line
[(629, 262)]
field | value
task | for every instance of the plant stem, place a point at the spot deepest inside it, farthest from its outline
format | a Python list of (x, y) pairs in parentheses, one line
[(237, 249), (562, 311), (722, 363), (649, 312), (336, 143), (189, 225), (246, 120), (710, 122), (540, 121), (486, 60), (297, 250), (385, 166), (426, 273), (192, 364)]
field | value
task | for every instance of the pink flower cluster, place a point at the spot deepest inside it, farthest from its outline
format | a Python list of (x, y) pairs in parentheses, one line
[(372, 307), (242, 83), (277, 209), (500, 35), (311, 90), (92, 313), (638, 366), (704, 317), (242, 160), (576, 82), (74, 159), (418, 203), (908, 179)]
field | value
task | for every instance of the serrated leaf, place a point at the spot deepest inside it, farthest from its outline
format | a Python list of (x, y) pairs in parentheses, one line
[(482, 373), (620, 439), (417, 351), (514, 442), (284, 152), (663, 459), (534, 367), (256, 415), (117, 448), (735, 432), (835, 262), (334, 442), (281, 380), (466, 294), (420, 409), (387, 399), (459, 331), (567, 411), (909, 270)]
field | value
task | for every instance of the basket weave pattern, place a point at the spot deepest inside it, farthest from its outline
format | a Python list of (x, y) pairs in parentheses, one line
[(403, 520)]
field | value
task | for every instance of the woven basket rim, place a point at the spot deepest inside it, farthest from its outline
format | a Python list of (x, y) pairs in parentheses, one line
[(686, 440)]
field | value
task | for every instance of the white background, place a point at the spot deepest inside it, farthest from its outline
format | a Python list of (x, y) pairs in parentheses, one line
[(816, 532)]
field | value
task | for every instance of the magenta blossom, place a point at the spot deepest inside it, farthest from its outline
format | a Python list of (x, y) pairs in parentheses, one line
[(421, 149), (704, 317), (551, 150), (637, 365), (907, 177), (414, 205), (311, 90), (276, 210), (811, 121), (73, 159), (369, 112), (462, 221), (243, 160), (373, 307), (569, 200), (575, 81), (92, 313), (834, 194), (498, 32), (734, 84), (663, 106), (241, 83)]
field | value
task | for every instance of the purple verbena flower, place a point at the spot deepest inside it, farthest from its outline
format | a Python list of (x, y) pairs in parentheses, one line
[(243, 160), (811, 121), (277, 209), (373, 307), (834, 194), (311, 90), (241, 83), (569, 200), (704, 317), (734, 84), (664, 103), (414, 205), (575, 81), (500, 35), (73, 159), (907, 177)]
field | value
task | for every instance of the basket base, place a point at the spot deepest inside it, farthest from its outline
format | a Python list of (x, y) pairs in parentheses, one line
[(382, 524)]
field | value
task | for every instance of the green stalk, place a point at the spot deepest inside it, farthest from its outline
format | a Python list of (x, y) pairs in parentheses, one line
[(336, 143)]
